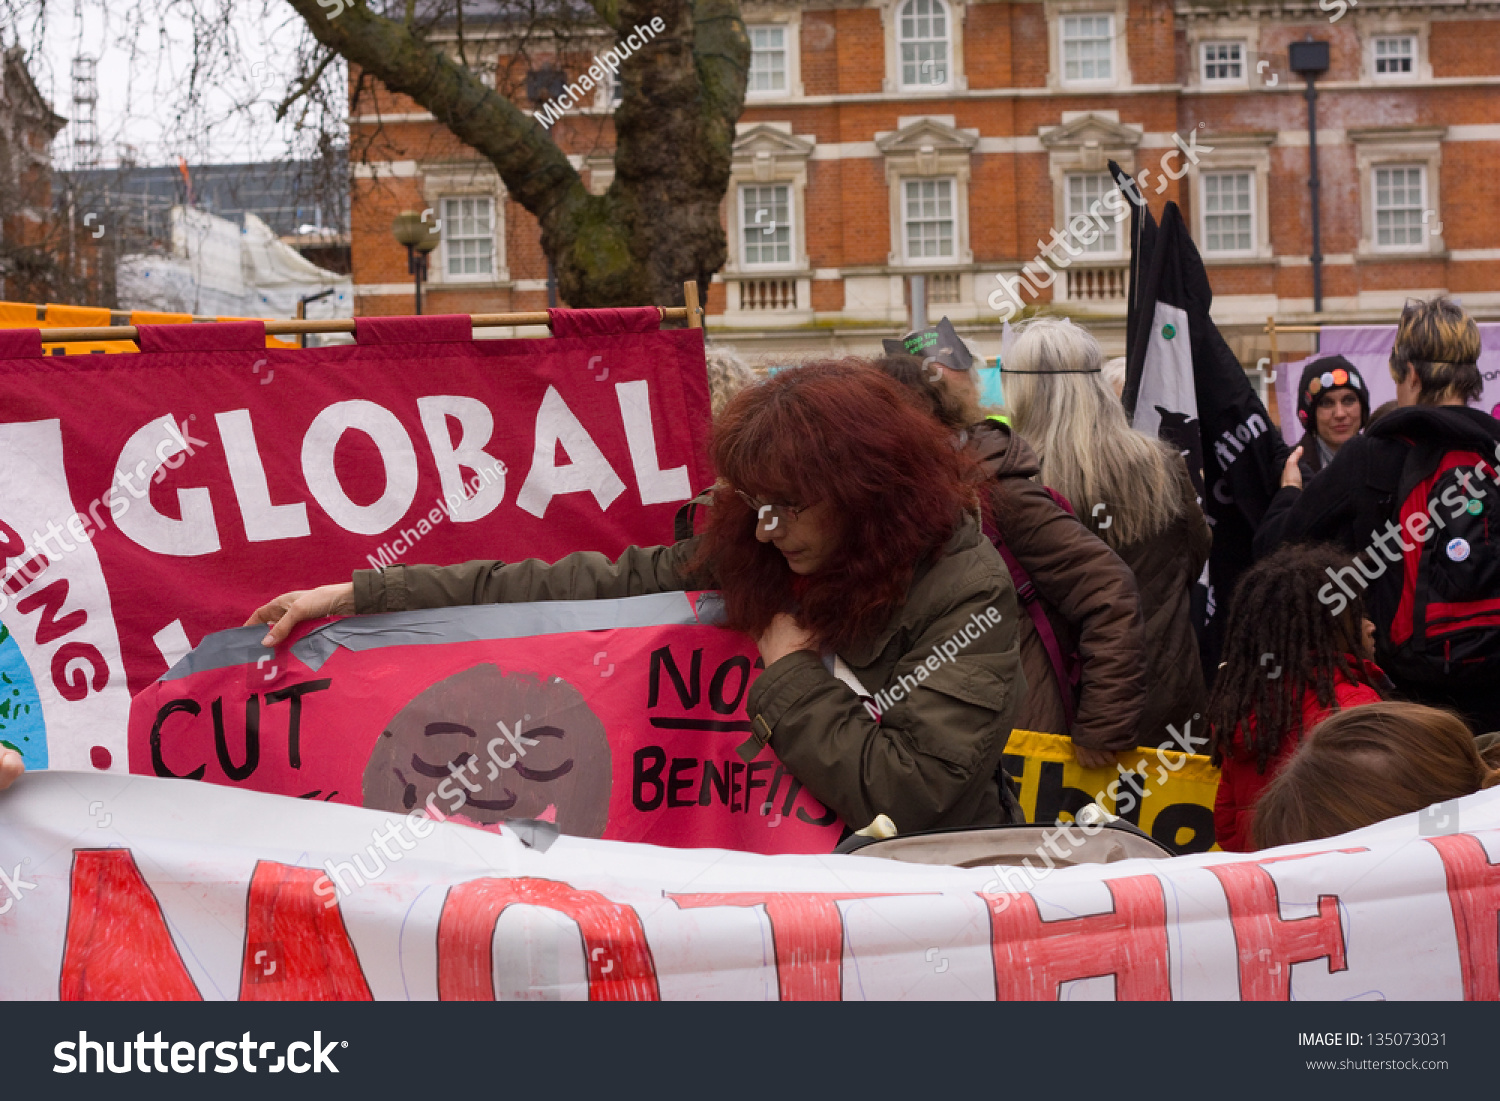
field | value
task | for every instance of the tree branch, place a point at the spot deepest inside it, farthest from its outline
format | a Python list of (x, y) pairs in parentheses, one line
[(535, 171), (307, 84), (608, 11)]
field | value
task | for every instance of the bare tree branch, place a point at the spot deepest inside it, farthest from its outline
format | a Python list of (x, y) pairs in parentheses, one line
[(305, 85)]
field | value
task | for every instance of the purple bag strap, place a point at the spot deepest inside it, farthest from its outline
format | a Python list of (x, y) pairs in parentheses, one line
[(1026, 593)]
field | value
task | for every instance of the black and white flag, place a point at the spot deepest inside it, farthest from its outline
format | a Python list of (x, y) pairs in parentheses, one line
[(1183, 384)]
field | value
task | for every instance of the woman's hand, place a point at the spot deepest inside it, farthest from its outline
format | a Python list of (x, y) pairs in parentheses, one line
[(1094, 758), (783, 637), (290, 609), (11, 767), (1291, 473)]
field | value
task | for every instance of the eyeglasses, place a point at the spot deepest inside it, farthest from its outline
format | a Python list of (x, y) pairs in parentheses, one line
[(791, 512)]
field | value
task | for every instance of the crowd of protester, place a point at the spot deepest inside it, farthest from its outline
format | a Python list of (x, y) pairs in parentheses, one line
[(868, 513)]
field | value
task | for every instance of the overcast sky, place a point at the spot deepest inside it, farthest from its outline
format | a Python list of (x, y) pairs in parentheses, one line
[(144, 61)]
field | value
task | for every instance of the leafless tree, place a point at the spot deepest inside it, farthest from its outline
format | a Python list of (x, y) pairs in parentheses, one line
[(468, 63)]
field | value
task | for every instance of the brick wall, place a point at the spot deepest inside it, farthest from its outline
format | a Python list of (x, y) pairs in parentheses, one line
[(847, 202)]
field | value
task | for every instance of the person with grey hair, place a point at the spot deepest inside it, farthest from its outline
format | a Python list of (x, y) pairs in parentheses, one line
[(1131, 489), (1114, 374), (728, 374)]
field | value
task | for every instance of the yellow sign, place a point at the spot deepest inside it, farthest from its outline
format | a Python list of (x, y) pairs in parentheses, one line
[(1167, 793)]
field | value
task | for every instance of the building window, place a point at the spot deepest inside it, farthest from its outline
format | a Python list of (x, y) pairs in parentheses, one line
[(1228, 212), (922, 31), (766, 225), (1088, 44), (1399, 203), (767, 60), (1223, 62), (1395, 56), (468, 238), (1084, 191), (927, 214)]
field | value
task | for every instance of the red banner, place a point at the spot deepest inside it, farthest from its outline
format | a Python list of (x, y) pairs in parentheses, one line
[(626, 733), (149, 499)]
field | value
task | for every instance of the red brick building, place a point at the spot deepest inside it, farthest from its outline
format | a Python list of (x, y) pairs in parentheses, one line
[(904, 137), (27, 126)]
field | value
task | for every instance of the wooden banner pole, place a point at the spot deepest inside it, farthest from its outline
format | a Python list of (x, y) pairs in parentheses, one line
[(339, 325)]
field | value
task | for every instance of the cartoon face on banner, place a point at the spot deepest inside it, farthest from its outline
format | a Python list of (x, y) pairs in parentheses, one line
[(486, 746)]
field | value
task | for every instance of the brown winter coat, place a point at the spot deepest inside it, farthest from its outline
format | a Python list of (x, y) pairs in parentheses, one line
[(1165, 566), (929, 762), (1087, 592)]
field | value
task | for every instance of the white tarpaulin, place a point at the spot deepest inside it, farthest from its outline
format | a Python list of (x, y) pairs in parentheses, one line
[(221, 269), (135, 887)]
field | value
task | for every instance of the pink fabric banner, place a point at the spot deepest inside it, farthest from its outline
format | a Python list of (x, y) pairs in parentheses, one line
[(499, 712), (149, 499)]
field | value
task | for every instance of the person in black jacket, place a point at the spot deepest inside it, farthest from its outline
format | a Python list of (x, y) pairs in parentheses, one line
[(1433, 571), (1333, 406)]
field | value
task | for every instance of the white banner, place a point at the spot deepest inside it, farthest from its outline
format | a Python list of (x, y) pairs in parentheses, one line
[(136, 887)]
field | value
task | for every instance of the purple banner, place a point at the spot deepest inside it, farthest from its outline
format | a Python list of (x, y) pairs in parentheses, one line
[(1368, 347)]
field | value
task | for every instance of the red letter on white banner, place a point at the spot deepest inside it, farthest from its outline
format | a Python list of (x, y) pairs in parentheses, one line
[(1474, 894), (118, 948), (619, 961), (296, 948), (807, 931), (1268, 943), (1034, 957)]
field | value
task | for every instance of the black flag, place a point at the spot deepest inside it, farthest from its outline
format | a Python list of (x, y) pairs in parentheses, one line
[(1183, 384)]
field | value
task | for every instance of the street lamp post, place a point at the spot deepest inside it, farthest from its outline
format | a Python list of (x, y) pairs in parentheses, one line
[(412, 230), (1310, 58)]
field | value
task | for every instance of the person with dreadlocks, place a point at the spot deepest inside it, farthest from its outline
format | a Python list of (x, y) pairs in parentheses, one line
[(1288, 663)]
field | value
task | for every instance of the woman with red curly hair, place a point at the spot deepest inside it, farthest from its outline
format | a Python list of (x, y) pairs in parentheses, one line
[(842, 525)]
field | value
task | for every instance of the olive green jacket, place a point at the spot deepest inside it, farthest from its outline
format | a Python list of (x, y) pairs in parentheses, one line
[(929, 762)]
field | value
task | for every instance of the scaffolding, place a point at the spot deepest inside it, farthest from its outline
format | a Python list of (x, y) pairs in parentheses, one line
[(85, 112)]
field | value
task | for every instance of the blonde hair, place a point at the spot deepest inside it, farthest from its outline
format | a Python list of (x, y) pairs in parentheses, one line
[(728, 374), (1060, 403), (1440, 342)]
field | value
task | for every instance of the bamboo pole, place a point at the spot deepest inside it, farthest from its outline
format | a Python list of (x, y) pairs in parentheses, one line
[(1272, 329), (338, 325)]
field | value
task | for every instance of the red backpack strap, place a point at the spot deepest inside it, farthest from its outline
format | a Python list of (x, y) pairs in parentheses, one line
[(1027, 595)]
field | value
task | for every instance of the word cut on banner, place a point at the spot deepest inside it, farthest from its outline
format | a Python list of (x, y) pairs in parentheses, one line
[(141, 888), (609, 718), (1168, 793), (149, 499)]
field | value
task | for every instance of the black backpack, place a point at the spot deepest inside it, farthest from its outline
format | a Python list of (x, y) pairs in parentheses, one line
[(1443, 608)]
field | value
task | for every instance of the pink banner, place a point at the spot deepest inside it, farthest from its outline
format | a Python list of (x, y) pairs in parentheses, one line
[(627, 733), (149, 499)]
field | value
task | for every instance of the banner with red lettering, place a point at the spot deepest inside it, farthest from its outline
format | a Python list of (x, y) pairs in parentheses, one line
[(147, 500), (144, 888), (608, 718)]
